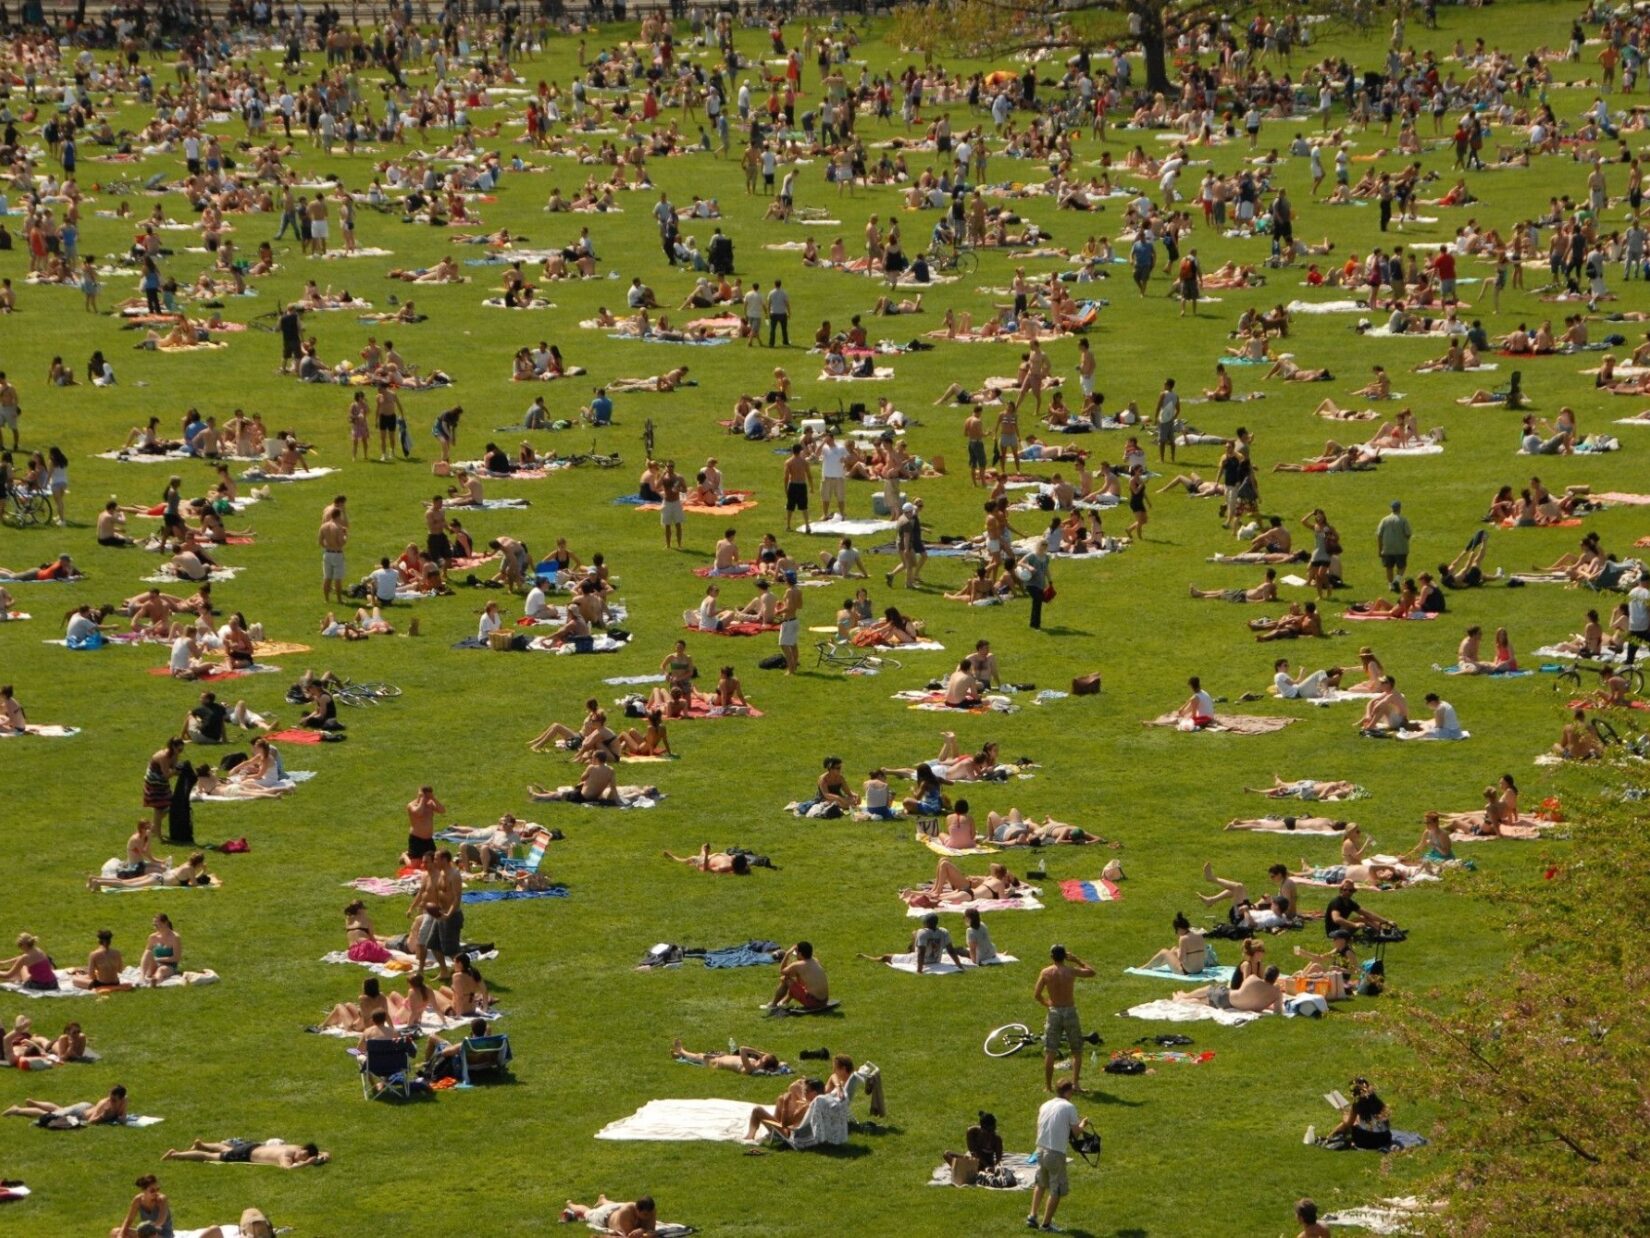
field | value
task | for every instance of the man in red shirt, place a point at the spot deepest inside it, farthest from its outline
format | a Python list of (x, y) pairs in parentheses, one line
[(1443, 266)]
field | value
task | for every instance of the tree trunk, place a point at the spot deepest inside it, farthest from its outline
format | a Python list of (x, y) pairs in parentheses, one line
[(1152, 50)]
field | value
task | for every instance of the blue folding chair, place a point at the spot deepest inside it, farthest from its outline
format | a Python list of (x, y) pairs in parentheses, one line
[(384, 1069)]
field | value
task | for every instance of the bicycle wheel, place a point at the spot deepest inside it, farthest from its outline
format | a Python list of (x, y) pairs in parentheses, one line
[(378, 690), (37, 509), (1567, 679), (883, 663), (967, 262), (1007, 1040), (1635, 680)]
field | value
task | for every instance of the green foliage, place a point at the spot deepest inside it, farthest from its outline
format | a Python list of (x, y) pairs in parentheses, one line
[(1540, 1070)]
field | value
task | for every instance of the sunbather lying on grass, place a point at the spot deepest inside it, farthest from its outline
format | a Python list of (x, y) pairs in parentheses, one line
[(1256, 994), (747, 1061), (607, 1216), (1014, 830), (282, 1155), (708, 861), (191, 872), (951, 886)]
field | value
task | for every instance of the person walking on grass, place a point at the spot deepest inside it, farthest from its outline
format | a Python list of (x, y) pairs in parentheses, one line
[(1057, 1119), (1392, 538)]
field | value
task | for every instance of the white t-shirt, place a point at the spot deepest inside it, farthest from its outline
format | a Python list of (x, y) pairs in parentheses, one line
[(933, 944), (80, 628), (487, 625), (534, 603), (1285, 686), (1638, 609), (1203, 705), (1444, 720), (384, 583), (847, 561), (753, 304), (1055, 1121), (753, 423), (979, 943), (831, 459), (179, 660)]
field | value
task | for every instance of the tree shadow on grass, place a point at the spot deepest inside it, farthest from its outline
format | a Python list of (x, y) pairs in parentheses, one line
[(1108, 1098)]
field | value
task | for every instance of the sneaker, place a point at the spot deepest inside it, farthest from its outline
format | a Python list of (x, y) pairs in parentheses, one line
[(1031, 1222), (1049, 1227)]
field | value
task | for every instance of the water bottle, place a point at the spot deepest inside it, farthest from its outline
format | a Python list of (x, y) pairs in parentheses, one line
[(1311, 1135), (733, 1046), (1094, 1060)]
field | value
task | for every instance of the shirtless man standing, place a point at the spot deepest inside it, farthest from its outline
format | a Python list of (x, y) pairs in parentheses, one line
[(1056, 992), (974, 436), (789, 616), (333, 537), (317, 209), (438, 901), (801, 980), (389, 413), (421, 815), (797, 476), (436, 544)]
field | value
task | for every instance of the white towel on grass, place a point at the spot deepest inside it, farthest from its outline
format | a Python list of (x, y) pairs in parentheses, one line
[(848, 528), (711, 1121), (945, 967), (1167, 1010), (130, 976)]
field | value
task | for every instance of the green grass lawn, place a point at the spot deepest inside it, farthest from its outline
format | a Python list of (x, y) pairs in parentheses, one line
[(1183, 1145)]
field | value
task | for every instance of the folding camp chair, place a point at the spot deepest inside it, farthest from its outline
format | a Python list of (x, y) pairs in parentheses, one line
[(511, 867), (385, 1064), (867, 1079), (483, 1055)]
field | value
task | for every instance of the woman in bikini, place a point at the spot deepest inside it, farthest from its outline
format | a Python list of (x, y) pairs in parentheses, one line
[(650, 743), (162, 953), (356, 1016), (952, 886), (1188, 956)]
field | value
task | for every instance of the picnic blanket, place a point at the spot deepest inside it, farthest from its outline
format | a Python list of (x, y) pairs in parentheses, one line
[(1426, 730), (1372, 616), (1456, 670), (1167, 1010), (46, 731), (1389, 1216), (629, 797), (129, 976), (907, 962), (939, 848), (1276, 825), (837, 527), (512, 896), (710, 1120), (934, 701), (1097, 891), (1028, 902), (1019, 1164), (1234, 724), (1212, 973), (257, 474), (399, 965)]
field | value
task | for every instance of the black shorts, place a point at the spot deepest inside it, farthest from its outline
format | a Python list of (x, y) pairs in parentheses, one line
[(796, 496), (1396, 562), (290, 349), (386, 421), (438, 547), (238, 1152), (976, 453), (194, 166), (418, 848)]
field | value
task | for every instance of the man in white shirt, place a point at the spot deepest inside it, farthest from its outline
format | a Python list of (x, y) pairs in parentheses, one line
[(1638, 620), (385, 580), (536, 607), (1199, 709), (1055, 1122), (833, 477)]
